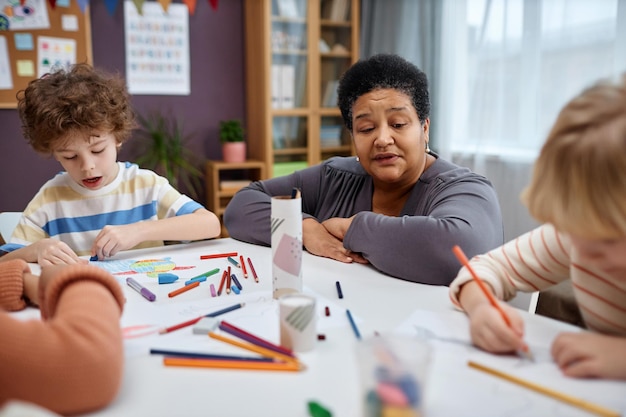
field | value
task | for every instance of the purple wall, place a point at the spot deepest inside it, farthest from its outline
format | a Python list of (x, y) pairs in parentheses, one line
[(217, 92)]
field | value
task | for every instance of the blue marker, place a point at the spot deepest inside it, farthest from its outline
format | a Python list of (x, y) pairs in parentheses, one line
[(236, 281), (234, 262), (167, 278), (196, 279)]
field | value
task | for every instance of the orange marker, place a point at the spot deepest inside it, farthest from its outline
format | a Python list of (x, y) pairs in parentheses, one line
[(183, 289), (492, 300)]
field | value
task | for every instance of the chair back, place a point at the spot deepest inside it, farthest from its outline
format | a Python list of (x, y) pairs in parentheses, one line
[(8, 222)]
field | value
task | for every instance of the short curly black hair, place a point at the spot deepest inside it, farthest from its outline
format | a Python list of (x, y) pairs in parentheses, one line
[(75, 100), (383, 71)]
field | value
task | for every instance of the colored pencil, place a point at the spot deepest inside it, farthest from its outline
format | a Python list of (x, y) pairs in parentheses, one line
[(339, 292), (225, 364), (492, 300), (180, 325), (228, 279), (253, 348), (243, 266), (225, 310), (353, 324), (197, 319), (218, 255), (249, 337), (199, 355), (219, 291), (256, 278), (206, 274), (234, 262), (183, 289), (576, 402)]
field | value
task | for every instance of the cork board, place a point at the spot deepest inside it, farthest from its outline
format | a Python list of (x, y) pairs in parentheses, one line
[(32, 42)]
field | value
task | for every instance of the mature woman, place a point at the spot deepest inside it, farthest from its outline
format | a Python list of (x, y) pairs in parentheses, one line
[(397, 205)]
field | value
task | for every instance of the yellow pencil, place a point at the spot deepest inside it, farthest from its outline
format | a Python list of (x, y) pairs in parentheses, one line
[(254, 348), (226, 364), (568, 399)]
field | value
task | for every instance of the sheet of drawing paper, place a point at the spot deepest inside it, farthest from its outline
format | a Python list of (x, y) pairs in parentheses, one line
[(452, 381)]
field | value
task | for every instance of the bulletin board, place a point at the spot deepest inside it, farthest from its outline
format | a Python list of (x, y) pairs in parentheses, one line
[(32, 41)]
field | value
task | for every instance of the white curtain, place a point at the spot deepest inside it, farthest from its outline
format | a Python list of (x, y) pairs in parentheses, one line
[(500, 70), (507, 68)]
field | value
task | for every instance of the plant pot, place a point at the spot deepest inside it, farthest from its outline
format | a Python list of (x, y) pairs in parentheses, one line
[(234, 151)]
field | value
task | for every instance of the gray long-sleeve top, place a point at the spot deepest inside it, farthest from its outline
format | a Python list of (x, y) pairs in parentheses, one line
[(449, 205)]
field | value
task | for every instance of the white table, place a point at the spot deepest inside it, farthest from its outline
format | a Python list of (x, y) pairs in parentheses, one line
[(378, 302)]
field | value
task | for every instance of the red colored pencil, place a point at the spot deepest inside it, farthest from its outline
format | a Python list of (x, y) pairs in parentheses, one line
[(180, 325), (223, 280), (228, 281), (243, 266), (256, 278), (218, 255)]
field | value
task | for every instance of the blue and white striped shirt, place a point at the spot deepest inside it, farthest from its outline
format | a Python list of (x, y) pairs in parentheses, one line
[(64, 210)]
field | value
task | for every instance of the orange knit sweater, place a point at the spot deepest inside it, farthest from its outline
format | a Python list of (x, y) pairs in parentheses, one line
[(70, 361)]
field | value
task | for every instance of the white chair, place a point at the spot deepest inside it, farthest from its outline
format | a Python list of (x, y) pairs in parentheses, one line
[(8, 222), (532, 306)]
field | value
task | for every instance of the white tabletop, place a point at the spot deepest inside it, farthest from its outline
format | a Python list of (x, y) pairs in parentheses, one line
[(379, 303)]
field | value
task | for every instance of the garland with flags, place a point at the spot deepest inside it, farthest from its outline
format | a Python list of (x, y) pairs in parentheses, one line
[(111, 5)]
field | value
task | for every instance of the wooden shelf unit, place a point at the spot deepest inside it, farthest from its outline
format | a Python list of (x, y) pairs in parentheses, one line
[(218, 171), (296, 50)]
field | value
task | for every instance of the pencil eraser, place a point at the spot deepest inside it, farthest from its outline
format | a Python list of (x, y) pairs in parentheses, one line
[(166, 278), (206, 325)]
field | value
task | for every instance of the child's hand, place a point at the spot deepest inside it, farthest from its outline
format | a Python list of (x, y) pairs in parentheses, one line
[(55, 252), (113, 239), (490, 332), (590, 355)]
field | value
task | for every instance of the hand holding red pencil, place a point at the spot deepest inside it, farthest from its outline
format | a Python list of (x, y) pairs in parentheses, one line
[(495, 327)]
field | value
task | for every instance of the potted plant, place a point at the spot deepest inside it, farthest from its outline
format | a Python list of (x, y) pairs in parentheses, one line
[(232, 137), (163, 149)]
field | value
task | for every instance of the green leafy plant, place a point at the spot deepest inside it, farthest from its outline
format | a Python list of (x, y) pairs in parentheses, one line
[(231, 131), (163, 149)]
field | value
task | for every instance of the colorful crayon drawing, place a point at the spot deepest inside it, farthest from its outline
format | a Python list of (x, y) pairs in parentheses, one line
[(150, 267)]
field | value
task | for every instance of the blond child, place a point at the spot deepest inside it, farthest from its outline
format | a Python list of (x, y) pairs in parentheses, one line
[(578, 192), (97, 206)]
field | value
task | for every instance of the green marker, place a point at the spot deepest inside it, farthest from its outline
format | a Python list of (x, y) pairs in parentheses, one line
[(317, 410)]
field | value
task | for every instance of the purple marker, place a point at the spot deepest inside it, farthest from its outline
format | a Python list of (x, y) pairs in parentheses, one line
[(140, 289)]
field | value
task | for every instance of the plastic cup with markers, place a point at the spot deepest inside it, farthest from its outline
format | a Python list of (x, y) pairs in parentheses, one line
[(393, 370)]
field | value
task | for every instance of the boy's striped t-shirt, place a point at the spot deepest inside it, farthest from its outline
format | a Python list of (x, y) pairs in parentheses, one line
[(64, 210)]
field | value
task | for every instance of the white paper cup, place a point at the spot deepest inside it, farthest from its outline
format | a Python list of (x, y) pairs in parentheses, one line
[(394, 374), (286, 228), (298, 319)]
